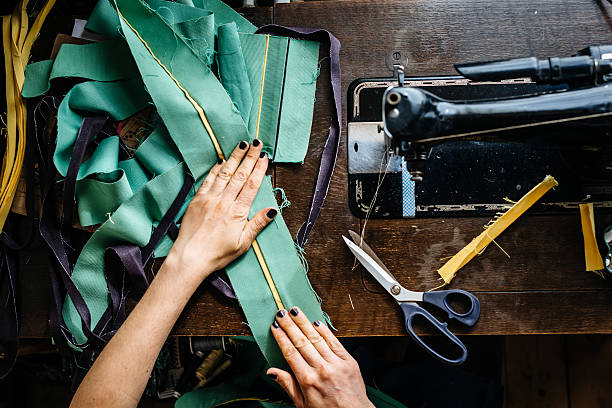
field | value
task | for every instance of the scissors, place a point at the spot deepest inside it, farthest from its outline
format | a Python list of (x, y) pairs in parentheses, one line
[(408, 300)]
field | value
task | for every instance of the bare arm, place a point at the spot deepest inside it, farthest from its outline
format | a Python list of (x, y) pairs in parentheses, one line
[(214, 232)]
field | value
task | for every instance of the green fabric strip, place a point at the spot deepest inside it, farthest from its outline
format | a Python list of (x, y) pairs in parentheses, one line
[(233, 71), (272, 90), (179, 115), (300, 58), (298, 101), (97, 200), (88, 61), (120, 99), (287, 272), (225, 14), (131, 224), (103, 20), (157, 153)]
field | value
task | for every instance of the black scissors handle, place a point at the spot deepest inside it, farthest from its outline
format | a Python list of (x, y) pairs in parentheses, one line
[(440, 299), (412, 310)]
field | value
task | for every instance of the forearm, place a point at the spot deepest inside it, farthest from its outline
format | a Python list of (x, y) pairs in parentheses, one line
[(120, 373)]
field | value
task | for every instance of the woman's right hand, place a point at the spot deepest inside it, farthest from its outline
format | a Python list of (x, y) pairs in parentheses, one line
[(326, 375)]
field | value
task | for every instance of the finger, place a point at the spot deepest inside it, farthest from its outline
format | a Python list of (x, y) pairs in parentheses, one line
[(299, 340), (243, 171), (257, 224), (251, 187), (210, 178), (311, 334), (295, 360), (335, 346), (288, 383), (228, 169)]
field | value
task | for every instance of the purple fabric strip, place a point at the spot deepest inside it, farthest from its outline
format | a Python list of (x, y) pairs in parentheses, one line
[(330, 151)]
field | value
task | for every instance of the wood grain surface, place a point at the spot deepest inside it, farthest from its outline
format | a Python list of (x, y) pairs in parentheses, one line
[(541, 288)]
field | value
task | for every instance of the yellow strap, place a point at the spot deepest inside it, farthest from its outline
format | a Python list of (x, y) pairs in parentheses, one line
[(17, 44), (261, 89), (592, 256), (211, 133), (492, 231)]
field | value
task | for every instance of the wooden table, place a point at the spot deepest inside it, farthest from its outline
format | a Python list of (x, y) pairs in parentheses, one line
[(542, 288)]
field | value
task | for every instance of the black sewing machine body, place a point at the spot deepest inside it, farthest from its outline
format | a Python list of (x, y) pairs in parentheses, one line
[(472, 174)]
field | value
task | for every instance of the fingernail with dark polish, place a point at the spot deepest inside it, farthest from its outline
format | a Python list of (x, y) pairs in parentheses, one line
[(272, 376), (256, 142), (280, 313), (294, 311), (242, 145), (316, 323), (219, 161), (275, 324), (271, 214), (262, 155)]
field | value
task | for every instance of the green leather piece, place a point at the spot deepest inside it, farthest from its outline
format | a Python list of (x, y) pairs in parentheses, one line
[(233, 71), (89, 61)]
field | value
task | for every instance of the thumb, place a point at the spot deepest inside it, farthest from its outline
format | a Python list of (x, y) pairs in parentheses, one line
[(288, 383), (258, 223)]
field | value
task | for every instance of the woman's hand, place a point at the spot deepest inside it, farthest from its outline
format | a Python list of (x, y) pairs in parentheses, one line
[(325, 373), (215, 229)]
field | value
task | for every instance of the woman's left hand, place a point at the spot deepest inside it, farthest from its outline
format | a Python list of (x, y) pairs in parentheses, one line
[(215, 229)]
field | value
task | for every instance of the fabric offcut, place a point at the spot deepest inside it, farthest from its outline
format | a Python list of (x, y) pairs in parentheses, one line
[(168, 50), (592, 256), (494, 229)]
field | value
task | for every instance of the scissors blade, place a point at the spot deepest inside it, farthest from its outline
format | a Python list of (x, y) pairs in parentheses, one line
[(386, 280), (366, 248)]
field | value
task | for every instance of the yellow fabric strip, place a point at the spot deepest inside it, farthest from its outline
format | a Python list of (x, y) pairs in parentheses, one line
[(261, 90), (209, 130), (17, 44), (494, 229), (592, 256)]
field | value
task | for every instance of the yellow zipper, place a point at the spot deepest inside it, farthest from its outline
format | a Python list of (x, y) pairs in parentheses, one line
[(261, 89)]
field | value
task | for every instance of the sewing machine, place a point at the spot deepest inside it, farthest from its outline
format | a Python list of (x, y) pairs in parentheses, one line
[(458, 145)]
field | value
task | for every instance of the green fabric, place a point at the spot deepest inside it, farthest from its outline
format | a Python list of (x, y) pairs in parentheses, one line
[(104, 20), (233, 71), (287, 272), (120, 99), (130, 197), (298, 101), (157, 153), (297, 94), (131, 223), (246, 380), (88, 61)]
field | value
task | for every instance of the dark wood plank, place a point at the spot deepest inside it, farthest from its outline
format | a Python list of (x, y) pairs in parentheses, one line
[(535, 372), (503, 313), (588, 359)]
